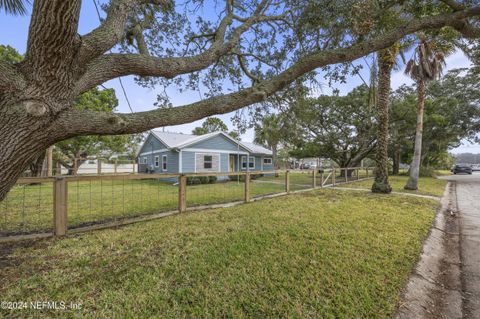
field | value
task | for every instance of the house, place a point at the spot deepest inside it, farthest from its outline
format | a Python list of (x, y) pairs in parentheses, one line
[(164, 152)]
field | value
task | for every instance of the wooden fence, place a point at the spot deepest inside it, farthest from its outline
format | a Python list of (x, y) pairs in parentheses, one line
[(53, 194)]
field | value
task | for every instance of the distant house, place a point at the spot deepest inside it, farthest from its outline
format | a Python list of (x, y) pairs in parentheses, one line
[(164, 152)]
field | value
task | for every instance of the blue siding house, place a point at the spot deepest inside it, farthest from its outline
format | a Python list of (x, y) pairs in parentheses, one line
[(164, 152)]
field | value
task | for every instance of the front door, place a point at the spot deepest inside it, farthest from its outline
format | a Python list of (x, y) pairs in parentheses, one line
[(232, 163)]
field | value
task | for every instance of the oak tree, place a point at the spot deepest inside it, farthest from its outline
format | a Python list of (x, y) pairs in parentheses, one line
[(269, 43)]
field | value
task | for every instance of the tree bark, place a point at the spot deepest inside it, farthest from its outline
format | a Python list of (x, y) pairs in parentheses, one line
[(412, 183), (386, 60), (37, 166), (396, 160), (38, 94)]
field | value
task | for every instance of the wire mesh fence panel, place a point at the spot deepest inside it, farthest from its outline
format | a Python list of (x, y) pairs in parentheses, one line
[(208, 190), (267, 184), (27, 209), (325, 178), (364, 173), (301, 180), (347, 175), (103, 200)]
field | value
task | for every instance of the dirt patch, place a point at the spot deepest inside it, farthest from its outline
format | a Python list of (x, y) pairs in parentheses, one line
[(7, 249)]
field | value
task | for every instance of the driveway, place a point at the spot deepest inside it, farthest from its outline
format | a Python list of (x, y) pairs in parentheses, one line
[(468, 205)]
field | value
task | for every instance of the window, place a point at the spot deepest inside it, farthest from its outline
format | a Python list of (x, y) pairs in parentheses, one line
[(267, 161), (144, 160), (251, 162), (157, 161), (244, 162), (207, 161), (164, 162)]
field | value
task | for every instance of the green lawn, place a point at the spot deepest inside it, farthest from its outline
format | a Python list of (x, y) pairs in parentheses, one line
[(320, 254), (426, 185), (29, 208)]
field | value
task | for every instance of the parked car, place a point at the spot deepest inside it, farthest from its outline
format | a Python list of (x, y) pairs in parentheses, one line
[(462, 168), (476, 167)]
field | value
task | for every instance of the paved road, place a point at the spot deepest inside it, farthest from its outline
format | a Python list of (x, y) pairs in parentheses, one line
[(468, 201)]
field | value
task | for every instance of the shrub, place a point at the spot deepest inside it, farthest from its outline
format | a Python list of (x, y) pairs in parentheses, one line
[(197, 180), (427, 171), (237, 178)]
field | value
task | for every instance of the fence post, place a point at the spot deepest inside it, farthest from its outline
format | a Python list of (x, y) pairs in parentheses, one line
[(366, 170), (321, 177), (357, 172), (346, 175), (115, 166), (99, 166), (133, 167), (314, 183), (247, 187), (287, 181), (182, 193), (333, 176), (60, 195)]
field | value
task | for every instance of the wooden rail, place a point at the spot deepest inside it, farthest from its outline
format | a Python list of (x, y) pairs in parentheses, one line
[(60, 186)]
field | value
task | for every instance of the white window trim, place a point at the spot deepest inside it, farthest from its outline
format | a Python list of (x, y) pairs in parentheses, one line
[(243, 160), (157, 161), (210, 154), (249, 162), (211, 161), (145, 160), (164, 163), (269, 159)]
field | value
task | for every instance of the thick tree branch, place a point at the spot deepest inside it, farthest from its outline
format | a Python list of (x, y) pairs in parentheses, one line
[(84, 122), (462, 26), (52, 43), (111, 66), (111, 31), (10, 78)]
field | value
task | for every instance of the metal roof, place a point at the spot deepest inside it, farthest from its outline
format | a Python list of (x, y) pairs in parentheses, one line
[(179, 141)]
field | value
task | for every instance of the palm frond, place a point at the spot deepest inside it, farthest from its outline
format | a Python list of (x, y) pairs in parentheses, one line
[(15, 7), (408, 68)]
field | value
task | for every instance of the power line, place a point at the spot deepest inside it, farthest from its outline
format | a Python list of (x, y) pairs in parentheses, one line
[(119, 79)]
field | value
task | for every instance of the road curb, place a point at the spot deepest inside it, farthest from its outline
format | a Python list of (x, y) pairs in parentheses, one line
[(434, 286)]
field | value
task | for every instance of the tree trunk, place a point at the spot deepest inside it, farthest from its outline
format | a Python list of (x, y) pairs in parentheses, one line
[(37, 166), (385, 65), (396, 159), (22, 141), (412, 182), (275, 158), (50, 161)]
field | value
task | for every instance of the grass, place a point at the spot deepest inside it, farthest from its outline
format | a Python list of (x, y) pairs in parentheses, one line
[(320, 254), (426, 185), (28, 208)]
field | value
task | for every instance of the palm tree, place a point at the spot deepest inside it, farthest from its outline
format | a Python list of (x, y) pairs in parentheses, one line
[(16, 7), (269, 133), (425, 65), (386, 62)]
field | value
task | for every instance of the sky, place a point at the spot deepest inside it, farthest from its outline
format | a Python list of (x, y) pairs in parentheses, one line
[(142, 99)]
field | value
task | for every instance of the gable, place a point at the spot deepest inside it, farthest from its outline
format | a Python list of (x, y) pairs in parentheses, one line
[(218, 142), (151, 143)]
